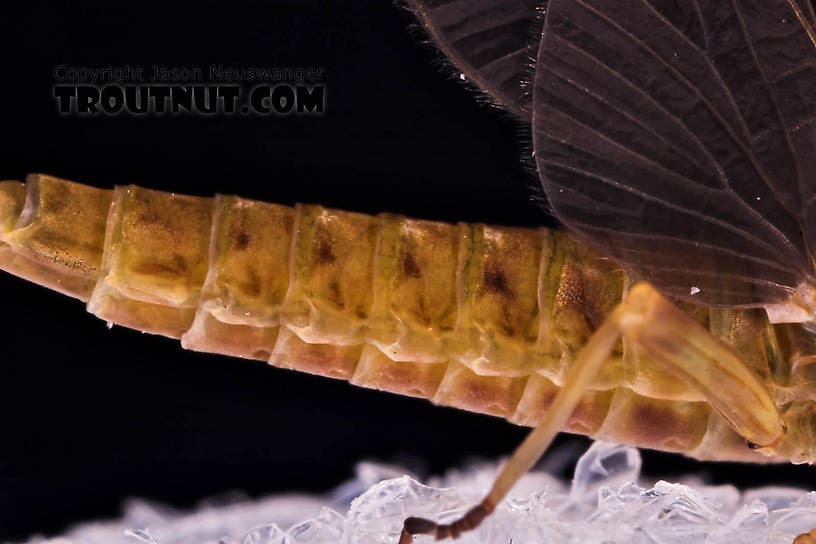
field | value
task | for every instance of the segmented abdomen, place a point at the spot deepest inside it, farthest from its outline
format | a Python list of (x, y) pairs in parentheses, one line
[(482, 318)]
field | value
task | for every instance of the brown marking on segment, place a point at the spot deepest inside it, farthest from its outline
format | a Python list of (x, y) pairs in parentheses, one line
[(241, 241), (422, 313), (538, 398), (324, 252), (241, 230), (600, 286), (506, 323), (493, 395), (410, 266), (252, 285), (210, 335), (336, 296), (145, 212), (58, 199), (590, 309), (651, 423), (379, 371), (59, 240), (152, 268), (262, 354), (654, 418), (590, 413), (419, 381), (593, 305), (495, 280), (570, 289), (323, 359)]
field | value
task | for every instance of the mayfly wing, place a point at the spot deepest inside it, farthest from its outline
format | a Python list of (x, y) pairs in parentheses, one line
[(810, 11), (678, 136), (492, 42)]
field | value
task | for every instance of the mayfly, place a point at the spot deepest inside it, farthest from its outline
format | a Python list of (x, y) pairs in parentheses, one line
[(676, 140)]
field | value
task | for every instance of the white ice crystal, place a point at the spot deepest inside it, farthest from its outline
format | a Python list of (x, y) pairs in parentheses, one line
[(603, 504)]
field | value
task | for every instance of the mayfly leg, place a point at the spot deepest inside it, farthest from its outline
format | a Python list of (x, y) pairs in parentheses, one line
[(670, 337)]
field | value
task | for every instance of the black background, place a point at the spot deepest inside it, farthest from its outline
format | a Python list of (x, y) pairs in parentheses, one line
[(90, 416)]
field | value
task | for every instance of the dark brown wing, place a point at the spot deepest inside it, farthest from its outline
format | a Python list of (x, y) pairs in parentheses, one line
[(810, 11), (678, 136), (492, 42)]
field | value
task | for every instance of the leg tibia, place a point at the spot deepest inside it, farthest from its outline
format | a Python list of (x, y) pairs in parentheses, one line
[(672, 338)]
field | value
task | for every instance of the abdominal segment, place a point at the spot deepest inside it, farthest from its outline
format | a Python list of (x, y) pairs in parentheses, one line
[(479, 317)]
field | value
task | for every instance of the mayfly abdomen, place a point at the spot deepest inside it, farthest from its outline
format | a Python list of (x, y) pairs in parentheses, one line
[(57, 232), (478, 317), (154, 262)]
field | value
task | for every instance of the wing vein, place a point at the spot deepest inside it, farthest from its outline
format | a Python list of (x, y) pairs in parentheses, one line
[(667, 238), (716, 114), (749, 42), (657, 200), (805, 24), (721, 275), (747, 150), (631, 117)]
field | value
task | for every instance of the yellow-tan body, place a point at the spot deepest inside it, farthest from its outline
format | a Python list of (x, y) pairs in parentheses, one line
[(479, 317)]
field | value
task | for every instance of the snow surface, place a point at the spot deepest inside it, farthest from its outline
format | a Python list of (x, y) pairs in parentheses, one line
[(601, 504)]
